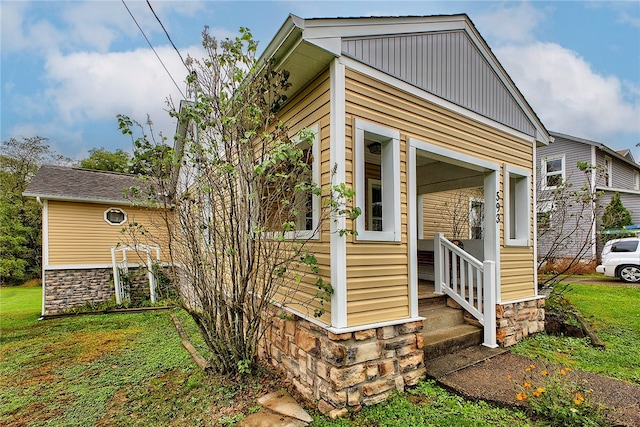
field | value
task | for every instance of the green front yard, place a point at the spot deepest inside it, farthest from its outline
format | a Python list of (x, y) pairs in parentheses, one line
[(614, 313), (130, 369)]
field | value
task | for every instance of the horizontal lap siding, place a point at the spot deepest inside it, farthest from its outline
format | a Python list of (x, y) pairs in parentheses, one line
[(308, 108), (377, 102), (436, 207), (78, 233), (517, 273)]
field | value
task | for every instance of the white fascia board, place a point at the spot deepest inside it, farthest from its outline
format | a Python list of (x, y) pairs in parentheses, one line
[(332, 45), (290, 29), (429, 97), (373, 26)]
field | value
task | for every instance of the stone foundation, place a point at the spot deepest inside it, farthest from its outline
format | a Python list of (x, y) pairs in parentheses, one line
[(518, 320), (350, 369), (65, 289)]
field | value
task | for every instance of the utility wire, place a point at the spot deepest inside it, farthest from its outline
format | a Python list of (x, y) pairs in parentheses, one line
[(168, 36), (153, 49)]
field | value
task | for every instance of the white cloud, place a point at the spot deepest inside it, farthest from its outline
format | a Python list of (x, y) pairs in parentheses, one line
[(88, 25), (509, 24), (90, 86), (569, 96)]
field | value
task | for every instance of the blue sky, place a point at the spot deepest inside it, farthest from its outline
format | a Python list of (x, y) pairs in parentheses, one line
[(69, 67)]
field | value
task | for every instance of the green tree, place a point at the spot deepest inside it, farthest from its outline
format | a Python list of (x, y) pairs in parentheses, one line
[(20, 217), (615, 216), (237, 224), (105, 160)]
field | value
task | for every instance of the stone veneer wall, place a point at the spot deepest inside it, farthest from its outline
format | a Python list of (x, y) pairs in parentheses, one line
[(65, 289), (351, 369), (517, 320)]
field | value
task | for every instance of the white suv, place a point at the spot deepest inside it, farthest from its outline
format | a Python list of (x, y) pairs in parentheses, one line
[(621, 258)]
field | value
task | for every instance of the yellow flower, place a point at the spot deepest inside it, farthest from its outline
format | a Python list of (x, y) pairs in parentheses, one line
[(563, 372), (509, 377), (532, 366), (544, 373), (527, 384), (540, 390), (521, 396), (577, 402), (536, 394), (568, 369)]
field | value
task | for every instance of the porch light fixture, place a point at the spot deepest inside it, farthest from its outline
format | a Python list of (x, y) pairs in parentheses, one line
[(375, 148)]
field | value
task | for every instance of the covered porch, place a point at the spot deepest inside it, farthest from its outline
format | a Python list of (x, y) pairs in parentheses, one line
[(453, 239)]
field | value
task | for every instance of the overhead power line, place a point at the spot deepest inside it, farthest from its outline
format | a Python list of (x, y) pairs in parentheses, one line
[(153, 49), (168, 36)]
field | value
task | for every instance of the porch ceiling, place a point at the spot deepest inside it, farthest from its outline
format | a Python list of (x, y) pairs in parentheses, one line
[(434, 174), (440, 176)]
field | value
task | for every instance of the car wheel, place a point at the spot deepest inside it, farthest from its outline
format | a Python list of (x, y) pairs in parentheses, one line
[(630, 273)]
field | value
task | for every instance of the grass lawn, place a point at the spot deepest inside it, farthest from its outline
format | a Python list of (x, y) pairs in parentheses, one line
[(614, 313), (131, 370)]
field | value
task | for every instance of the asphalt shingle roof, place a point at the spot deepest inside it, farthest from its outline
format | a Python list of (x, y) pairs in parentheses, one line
[(68, 183)]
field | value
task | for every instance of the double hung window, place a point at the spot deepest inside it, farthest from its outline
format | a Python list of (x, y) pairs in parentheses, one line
[(377, 181)]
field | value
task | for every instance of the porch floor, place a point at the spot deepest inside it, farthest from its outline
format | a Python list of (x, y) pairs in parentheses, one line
[(426, 289)]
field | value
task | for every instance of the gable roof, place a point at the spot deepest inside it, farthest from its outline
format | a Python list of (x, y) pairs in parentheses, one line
[(623, 155), (81, 185), (398, 46)]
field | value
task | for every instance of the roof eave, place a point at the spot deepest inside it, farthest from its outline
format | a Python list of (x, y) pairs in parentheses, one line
[(57, 197)]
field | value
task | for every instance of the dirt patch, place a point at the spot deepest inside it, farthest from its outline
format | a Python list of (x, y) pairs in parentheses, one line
[(555, 323)]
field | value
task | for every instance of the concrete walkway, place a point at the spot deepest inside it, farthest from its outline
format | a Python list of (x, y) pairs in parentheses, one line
[(492, 375)]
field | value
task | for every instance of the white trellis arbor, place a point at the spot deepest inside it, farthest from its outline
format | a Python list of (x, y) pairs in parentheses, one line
[(123, 266)]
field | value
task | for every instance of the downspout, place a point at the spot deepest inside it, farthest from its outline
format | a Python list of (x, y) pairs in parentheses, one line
[(45, 250), (594, 205)]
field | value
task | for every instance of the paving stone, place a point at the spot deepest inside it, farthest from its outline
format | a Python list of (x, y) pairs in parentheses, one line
[(266, 418), (282, 403)]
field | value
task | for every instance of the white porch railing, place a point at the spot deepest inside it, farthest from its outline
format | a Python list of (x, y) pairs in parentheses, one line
[(469, 282), (123, 266)]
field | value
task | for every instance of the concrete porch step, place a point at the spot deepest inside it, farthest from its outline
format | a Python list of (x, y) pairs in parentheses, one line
[(447, 340), (439, 317)]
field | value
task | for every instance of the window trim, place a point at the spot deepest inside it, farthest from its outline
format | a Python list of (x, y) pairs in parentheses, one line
[(390, 158), (636, 180), (546, 174), (115, 209), (608, 166), (522, 214), (314, 233), (470, 221)]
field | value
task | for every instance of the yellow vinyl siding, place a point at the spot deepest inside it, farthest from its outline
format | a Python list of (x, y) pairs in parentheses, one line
[(79, 235), (310, 107), (435, 211), (377, 102)]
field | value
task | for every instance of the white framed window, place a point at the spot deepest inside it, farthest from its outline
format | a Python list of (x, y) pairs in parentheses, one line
[(476, 218), (636, 180), (115, 216), (608, 171), (377, 181), (517, 206), (308, 204), (553, 172)]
